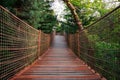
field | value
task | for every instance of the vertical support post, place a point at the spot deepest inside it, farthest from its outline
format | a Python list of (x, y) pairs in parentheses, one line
[(69, 40), (39, 40), (78, 43), (48, 37), (49, 40)]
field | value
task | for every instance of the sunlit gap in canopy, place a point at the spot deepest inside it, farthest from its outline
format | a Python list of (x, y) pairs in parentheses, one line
[(58, 7), (110, 3)]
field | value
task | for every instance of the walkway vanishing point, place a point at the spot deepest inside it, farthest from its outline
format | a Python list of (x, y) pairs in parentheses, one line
[(58, 63)]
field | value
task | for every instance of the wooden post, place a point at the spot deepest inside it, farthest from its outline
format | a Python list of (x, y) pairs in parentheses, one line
[(70, 41), (49, 40), (39, 42), (78, 45)]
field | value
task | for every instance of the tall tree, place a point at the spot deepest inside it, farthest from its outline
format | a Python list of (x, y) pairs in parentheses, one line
[(91, 10), (37, 13)]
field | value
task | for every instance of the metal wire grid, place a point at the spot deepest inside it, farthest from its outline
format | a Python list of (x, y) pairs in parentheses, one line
[(45, 40), (99, 45), (18, 44)]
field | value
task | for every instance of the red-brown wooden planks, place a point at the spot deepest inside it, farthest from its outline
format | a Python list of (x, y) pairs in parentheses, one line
[(58, 63)]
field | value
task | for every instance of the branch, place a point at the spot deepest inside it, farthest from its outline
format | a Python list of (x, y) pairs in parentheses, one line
[(73, 11)]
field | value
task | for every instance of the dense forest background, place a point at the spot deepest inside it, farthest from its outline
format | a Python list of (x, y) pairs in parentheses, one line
[(40, 15), (88, 11), (37, 13)]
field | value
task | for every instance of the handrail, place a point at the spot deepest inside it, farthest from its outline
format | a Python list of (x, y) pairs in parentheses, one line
[(20, 44)]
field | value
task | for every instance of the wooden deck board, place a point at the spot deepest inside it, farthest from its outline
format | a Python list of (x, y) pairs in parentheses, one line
[(58, 63)]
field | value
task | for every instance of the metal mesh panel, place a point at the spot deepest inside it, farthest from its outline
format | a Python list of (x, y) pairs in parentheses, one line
[(19, 44), (99, 45), (45, 40)]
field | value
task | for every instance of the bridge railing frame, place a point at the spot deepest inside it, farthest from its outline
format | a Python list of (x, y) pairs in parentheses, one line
[(88, 45), (20, 44)]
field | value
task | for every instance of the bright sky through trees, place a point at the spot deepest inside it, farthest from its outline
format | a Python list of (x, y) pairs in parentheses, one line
[(59, 9)]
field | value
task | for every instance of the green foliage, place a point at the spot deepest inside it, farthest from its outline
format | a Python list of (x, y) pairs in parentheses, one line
[(69, 26), (36, 13), (105, 40), (89, 11), (108, 53), (93, 38), (7, 3), (59, 29)]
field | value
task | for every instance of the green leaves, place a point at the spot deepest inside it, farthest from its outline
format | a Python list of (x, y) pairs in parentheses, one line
[(69, 26), (7, 3), (37, 13), (89, 11)]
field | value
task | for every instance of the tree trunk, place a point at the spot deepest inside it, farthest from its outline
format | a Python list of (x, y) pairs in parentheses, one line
[(73, 11)]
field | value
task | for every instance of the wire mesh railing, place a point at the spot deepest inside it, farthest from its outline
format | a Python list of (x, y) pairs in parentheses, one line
[(45, 40), (99, 45), (20, 44)]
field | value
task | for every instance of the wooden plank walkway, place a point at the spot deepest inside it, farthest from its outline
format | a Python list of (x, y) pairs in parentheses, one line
[(58, 63)]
